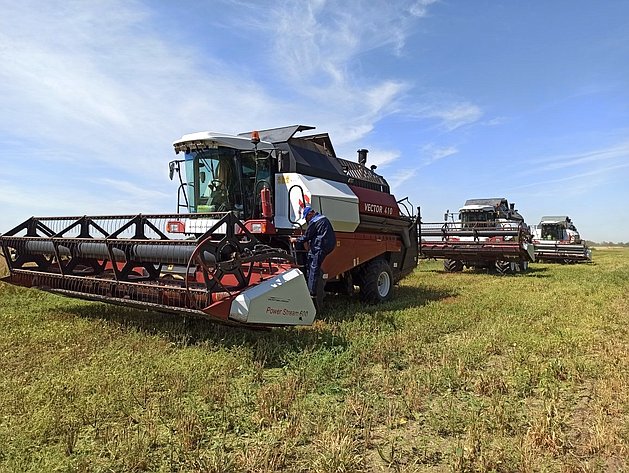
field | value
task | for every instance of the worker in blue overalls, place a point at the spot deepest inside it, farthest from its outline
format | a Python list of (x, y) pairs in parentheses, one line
[(319, 239)]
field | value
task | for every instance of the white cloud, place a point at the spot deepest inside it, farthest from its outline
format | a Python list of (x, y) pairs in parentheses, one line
[(19, 205), (420, 8), (400, 177), (454, 115), (582, 181), (131, 191), (432, 153), (551, 163), (318, 45), (92, 79), (497, 121), (382, 158), (317, 36), (450, 112), (96, 70)]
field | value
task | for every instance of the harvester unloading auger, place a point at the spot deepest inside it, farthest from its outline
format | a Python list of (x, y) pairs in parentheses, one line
[(229, 258), (485, 234), (558, 241)]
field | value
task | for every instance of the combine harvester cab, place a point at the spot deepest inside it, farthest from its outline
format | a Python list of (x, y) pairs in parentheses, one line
[(558, 241), (485, 234), (228, 257)]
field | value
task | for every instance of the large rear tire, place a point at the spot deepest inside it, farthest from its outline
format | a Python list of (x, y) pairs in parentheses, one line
[(453, 265), (376, 281)]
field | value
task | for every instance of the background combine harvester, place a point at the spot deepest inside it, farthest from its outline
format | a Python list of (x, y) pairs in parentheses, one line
[(558, 241), (229, 256), (485, 233)]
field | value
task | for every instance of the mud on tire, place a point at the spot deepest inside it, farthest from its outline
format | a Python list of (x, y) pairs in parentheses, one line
[(376, 281)]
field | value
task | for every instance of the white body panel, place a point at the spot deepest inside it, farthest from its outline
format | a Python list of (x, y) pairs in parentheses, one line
[(280, 300), (333, 199), (530, 249), (537, 232)]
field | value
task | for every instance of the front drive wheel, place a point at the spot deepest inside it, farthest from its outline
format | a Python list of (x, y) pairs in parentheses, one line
[(452, 265), (375, 281), (505, 267)]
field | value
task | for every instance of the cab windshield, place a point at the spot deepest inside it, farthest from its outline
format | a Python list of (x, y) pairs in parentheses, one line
[(221, 180), (477, 219), (552, 232)]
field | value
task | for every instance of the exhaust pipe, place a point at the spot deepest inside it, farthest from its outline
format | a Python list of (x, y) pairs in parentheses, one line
[(362, 156)]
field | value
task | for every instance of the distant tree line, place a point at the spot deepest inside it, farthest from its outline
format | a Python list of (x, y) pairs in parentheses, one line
[(606, 243)]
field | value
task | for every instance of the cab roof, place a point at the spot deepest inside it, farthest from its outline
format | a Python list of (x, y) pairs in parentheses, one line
[(311, 155), (555, 219), (209, 139)]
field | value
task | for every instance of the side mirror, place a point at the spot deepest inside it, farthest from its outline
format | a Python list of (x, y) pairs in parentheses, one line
[(171, 172)]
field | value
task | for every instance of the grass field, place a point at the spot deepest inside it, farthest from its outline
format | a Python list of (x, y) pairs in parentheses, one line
[(461, 372)]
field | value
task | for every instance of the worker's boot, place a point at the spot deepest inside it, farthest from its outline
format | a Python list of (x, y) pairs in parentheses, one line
[(318, 302)]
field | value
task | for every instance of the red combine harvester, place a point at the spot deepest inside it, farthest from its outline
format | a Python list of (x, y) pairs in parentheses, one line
[(485, 234), (229, 256)]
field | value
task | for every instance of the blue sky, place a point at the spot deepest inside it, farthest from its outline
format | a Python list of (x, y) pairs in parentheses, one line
[(454, 99)]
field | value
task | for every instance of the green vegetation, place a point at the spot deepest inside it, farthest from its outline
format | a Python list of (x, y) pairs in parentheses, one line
[(460, 372)]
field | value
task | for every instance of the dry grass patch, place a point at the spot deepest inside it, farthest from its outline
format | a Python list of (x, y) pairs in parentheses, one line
[(4, 269)]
